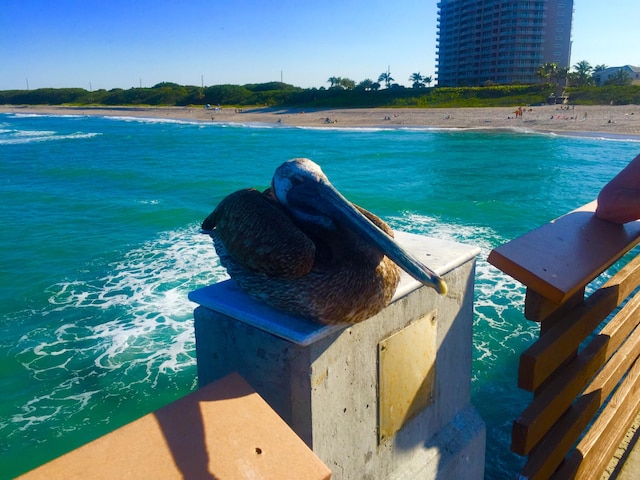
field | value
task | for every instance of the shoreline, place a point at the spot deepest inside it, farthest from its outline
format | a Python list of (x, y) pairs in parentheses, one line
[(611, 121)]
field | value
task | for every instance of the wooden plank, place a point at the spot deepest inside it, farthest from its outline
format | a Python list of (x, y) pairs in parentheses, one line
[(540, 309), (559, 343), (538, 418), (593, 453), (561, 257), (627, 279), (545, 410), (549, 452), (550, 351), (224, 430)]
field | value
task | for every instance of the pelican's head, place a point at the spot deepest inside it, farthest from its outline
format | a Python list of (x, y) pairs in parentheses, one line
[(305, 191), (300, 185)]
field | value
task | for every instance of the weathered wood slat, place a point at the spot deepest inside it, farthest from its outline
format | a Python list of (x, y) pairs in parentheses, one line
[(545, 410), (594, 452), (561, 257), (559, 343), (549, 453), (538, 309), (543, 358), (627, 279), (538, 418), (556, 262)]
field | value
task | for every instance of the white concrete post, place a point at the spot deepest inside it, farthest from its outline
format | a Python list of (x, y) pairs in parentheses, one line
[(388, 398)]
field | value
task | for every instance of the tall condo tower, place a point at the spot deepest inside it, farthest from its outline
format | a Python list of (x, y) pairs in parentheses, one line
[(501, 41)]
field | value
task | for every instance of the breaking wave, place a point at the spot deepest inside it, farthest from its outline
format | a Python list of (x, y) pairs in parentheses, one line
[(122, 334), (498, 319), (16, 137)]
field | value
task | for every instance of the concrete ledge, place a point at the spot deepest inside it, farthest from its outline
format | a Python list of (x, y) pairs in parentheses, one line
[(224, 430)]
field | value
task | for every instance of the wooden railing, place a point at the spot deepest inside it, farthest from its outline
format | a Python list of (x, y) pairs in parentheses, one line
[(584, 369)]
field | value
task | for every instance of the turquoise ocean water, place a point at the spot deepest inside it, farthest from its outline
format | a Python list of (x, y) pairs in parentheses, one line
[(99, 247)]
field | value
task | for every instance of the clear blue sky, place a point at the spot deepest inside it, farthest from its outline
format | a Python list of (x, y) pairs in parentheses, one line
[(116, 43)]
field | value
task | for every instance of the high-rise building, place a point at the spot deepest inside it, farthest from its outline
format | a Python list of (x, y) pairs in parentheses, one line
[(501, 41)]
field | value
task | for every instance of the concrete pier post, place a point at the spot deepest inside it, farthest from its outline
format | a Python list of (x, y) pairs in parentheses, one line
[(388, 398)]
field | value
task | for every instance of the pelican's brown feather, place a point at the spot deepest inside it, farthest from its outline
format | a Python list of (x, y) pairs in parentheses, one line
[(247, 221), (303, 248)]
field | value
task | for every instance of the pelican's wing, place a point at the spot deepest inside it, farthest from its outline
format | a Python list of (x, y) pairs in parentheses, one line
[(259, 235)]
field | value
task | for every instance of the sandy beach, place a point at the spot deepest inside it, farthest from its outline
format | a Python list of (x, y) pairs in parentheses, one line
[(613, 120)]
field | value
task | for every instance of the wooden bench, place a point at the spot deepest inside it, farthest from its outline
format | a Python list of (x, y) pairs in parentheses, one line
[(584, 369)]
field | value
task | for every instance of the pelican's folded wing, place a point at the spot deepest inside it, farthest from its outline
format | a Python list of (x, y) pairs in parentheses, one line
[(259, 235)]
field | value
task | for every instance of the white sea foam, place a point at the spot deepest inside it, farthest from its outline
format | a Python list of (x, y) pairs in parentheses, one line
[(248, 125), (498, 318), (46, 115), (15, 137), (29, 115), (129, 329), (133, 119)]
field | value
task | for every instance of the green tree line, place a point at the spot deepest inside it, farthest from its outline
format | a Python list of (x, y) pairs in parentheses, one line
[(282, 94), (582, 75)]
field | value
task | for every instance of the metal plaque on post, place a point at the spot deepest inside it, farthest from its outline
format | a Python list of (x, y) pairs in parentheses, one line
[(406, 374)]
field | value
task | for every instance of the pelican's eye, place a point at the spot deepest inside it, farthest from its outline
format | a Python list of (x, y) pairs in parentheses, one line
[(296, 180)]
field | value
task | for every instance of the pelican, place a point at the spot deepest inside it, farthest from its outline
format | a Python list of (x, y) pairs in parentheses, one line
[(302, 248)]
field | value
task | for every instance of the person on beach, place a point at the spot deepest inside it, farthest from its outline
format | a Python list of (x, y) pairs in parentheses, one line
[(619, 200)]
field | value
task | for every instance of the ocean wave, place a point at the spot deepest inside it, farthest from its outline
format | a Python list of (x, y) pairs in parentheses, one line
[(248, 125), (129, 330), (151, 120), (16, 137), (600, 136), (46, 115), (499, 323), (29, 115)]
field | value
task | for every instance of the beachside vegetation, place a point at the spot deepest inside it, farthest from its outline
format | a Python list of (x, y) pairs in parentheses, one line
[(345, 93)]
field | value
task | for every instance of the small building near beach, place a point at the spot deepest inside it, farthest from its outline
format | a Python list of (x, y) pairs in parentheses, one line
[(602, 76)]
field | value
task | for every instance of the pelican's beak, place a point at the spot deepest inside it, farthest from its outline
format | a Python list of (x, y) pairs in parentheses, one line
[(325, 198)]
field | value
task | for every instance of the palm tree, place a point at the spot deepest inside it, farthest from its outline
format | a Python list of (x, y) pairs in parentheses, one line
[(427, 80), (386, 78), (582, 77), (347, 83), (584, 71), (366, 84), (334, 81), (551, 72), (547, 71), (562, 74), (417, 79), (583, 67)]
